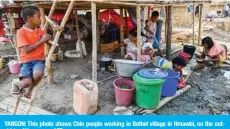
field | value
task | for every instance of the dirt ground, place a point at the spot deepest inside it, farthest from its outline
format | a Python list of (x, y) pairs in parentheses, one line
[(214, 91)]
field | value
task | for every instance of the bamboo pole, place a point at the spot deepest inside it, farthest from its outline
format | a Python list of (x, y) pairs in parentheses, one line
[(169, 33), (200, 23), (42, 12), (78, 32), (138, 32), (13, 32), (193, 25), (166, 15), (16, 105), (126, 22), (122, 31), (34, 93), (98, 29), (94, 34), (45, 26), (56, 38)]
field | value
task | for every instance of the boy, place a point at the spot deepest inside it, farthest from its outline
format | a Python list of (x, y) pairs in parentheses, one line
[(30, 40), (177, 64), (153, 28)]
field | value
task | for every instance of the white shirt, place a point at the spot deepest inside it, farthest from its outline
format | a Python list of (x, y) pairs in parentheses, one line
[(146, 45), (131, 47), (153, 27)]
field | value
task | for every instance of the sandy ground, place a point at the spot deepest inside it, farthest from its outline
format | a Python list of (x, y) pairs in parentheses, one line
[(58, 97)]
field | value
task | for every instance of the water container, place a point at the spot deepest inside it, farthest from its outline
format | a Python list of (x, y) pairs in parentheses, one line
[(124, 96), (169, 87), (189, 49), (85, 97), (14, 67)]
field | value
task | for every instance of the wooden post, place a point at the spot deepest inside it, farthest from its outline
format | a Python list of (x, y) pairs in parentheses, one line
[(148, 13), (48, 63), (166, 15), (138, 32), (126, 23), (122, 31), (13, 32), (45, 26), (98, 29), (78, 33), (193, 26), (169, 33), (200, 23), (42, 12), (94, 34)]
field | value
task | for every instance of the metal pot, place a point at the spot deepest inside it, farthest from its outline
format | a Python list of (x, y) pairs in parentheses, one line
[(105, 62), (126, 68)]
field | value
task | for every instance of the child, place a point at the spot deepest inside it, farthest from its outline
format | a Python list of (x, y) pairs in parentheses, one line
[(30, 40), (177, 64), (131, 45), (216, 53), (153, 28), (147, 50)]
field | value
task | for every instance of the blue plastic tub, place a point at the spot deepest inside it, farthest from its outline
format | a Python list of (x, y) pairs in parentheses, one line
[(169, 87)]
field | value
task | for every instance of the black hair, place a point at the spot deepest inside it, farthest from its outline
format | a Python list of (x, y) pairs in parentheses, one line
[(28, 11), (179, 61), (155, 13), (133, 32), (208, 41)]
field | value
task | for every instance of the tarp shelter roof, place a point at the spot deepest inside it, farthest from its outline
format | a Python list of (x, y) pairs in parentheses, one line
[(108, 4)]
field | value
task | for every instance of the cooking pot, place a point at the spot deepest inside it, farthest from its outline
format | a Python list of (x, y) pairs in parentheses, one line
[(105, 62)]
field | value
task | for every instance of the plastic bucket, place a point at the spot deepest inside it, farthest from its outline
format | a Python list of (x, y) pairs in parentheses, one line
[(123, 96), (148, 91), (189, 49), (169, 87), (13, 67), (186, 56)]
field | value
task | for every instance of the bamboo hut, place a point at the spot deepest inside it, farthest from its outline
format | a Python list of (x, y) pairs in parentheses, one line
[(95, 5)]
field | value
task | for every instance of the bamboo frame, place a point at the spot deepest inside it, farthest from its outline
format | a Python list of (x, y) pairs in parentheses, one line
[(200, 23), (94, 34), (169, 32), (122, 31), (193, 25), (13, 32), (139, 41)]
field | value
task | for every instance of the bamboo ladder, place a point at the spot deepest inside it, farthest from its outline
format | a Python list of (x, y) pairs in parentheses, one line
[(54, 44)]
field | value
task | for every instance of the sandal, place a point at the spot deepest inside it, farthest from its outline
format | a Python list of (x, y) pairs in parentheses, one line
[(181, 84), (16, 89), (27, 93)]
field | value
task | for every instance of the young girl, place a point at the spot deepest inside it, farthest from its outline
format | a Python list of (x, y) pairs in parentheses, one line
[(131, 46), (216, 53)]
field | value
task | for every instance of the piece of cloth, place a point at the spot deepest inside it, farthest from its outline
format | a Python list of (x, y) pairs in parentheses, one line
[(27, 36), (162, 63), (132, 55), (216, 50), (27, 69)]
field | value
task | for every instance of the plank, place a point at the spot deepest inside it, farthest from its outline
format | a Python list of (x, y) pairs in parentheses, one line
[(7, 104)]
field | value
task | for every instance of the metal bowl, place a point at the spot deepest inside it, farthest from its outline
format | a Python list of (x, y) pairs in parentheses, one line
[(126, 68)]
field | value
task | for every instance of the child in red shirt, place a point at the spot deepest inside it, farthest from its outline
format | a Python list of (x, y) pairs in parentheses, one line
[(30, 40)]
